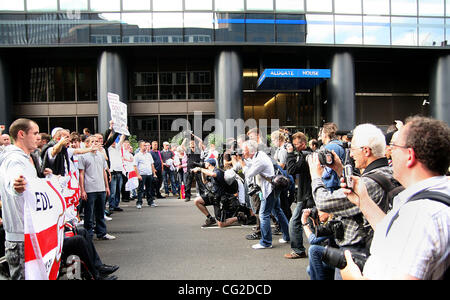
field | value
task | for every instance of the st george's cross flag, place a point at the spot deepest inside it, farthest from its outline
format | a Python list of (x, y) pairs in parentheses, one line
[(133, 181), (44, 208)]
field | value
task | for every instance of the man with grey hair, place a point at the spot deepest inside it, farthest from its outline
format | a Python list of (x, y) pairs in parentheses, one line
[(258, 166), (367, 150)]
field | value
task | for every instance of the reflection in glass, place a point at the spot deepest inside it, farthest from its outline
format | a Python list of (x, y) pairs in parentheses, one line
[(347, 6), (431, 31), (172, 84), (230, 27), (145, 85), (319, 5), (37, 84), (319, 29), (73, 4), (136, 4), (12, 29), (42, 28), (105, 5), (229, 5), (12, 5), (291, 28), (74, 29), (348, 29), (168, 27), (376, 7), (260, 5), (431, 7), (136, 27), (376, 30), (41, 5), (260, 28), (290, 5), (167, 5), (199, 85), (404, 7), (105, 28), (198, 27), (404, 31)]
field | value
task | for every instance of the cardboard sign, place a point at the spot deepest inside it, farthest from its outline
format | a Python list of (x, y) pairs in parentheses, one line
[(118, 114)]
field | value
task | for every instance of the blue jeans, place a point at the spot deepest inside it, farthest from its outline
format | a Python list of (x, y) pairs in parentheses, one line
[(116, 186), (168, 174), (145, 185), (268, 206), (95, 208), (317, 269), (296, 229)]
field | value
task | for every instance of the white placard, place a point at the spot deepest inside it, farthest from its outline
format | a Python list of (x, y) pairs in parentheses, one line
[(118, 114)]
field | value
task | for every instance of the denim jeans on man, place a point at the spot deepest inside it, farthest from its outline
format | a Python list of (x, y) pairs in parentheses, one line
[(145, 186), (169, 175), (317, 269), (116, 186), (95, 208), (268, 206), (296, 230)]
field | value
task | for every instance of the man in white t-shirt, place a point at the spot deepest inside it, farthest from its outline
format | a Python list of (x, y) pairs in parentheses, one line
[(145, 169)]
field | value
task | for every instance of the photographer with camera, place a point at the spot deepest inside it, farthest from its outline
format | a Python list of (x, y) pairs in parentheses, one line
[(367, 150), (296, 165), (259, 165), (331, 143), (320, 229)]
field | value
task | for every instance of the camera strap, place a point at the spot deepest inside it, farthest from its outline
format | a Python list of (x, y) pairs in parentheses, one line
[(423, 195)]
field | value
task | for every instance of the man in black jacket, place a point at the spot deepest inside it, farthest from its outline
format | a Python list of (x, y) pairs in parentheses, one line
[(296, 164), (194, 156)]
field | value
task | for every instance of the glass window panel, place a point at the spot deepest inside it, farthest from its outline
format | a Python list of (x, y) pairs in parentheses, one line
[(404, 31), (73, 4), (431, 31), (42, 28), (167, 5), (11, 5), (198, 5), (431, 8), (73, 28), (42, 123), (13, 30), (260, 28), (198, 27), (230, 27), (105, 5), (64, 122), (291, 28), (348, 29), (37, 84), (447, 6), (105, 28), (319, 5), (260, 5), (42, 5), (87, 122), (447, 29), (145, 85), (145, 128), (377, 30), (376, 7), (290, 5), (136, 4), (320, 29), (136, 27), (229, 5), (87, 83), (61, 83), (347, 6), (200, 85), (168, 27), (404, 7)]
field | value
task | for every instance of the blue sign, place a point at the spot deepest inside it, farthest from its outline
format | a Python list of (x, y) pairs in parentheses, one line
[(292, 78)]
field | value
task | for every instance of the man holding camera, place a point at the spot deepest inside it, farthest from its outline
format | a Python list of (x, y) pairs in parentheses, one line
[(296, 165), (260, 165), (367, 150), (331, 143)]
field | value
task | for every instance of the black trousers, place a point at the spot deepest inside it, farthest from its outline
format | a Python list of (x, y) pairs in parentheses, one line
[(190, 178)]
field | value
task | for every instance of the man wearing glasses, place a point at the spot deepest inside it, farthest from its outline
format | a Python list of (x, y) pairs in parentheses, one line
[(368, 152), (412, 240)]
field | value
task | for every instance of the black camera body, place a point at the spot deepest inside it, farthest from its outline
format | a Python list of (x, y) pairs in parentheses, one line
[(336, 258), (253, 189), (332, 227), (199, 164), (326, 157)]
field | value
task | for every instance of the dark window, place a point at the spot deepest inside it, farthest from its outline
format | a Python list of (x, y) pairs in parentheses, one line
[(87, 122), (61, 83), (260, 28), (290, 28), (230, 27), (172, 85), (64, 122), (200, 85), (166, 127), (42, 28), (42, 123), (145, 128), (87, 83), (37, 84), (12, 29)]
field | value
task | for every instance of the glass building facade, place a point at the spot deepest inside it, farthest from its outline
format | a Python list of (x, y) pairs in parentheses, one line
[(169, 56)]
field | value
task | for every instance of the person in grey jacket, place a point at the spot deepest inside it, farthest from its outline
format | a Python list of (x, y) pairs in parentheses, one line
[(15, 169)]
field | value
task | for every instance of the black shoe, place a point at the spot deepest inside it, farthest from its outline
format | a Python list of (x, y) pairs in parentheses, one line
[(117, 209), (187, 199), (276, 231), (107, 277), (160, 196), (108, 213), (253, 236), (106, 269), (209, 222)]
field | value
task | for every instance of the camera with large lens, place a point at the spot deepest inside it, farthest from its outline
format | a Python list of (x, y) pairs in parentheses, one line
[(253, 188), (336, 258), (332, 227), (199, 164)]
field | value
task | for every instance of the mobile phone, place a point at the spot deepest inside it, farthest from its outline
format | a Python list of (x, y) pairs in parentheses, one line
[(348, 172)]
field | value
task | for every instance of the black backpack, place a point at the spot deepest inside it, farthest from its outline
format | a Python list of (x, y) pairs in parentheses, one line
[(391, 190)]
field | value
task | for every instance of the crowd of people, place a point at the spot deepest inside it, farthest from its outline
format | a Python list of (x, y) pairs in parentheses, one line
[(350, 193)]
